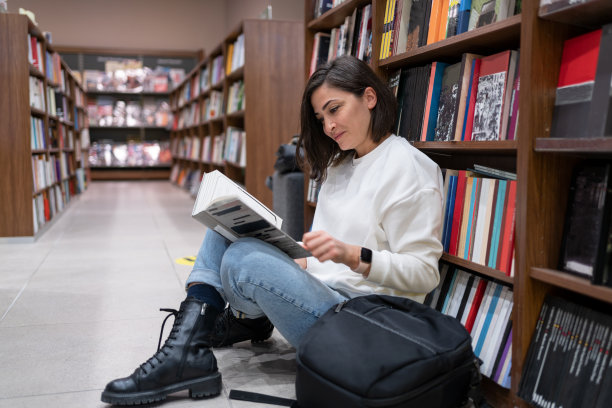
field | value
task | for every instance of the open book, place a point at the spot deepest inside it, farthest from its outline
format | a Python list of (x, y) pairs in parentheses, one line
[(227, 208)]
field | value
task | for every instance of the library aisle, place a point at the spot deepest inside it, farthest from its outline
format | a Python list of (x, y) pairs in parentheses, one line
[(80, 306)]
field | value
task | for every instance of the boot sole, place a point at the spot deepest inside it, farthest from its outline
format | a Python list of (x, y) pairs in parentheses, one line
[(198, 388)]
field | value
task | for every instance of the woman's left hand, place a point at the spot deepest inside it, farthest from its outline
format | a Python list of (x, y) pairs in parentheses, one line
[(324, 247)]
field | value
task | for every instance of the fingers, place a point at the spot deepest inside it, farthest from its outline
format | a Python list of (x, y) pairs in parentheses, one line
[(322, 245)]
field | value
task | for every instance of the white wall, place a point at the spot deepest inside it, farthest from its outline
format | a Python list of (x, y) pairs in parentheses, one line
[(149, 24)]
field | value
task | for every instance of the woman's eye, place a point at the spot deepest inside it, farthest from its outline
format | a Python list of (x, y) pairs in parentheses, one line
[(334, 109)]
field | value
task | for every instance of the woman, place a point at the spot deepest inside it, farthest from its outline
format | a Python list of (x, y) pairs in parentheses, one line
[(376, 229)]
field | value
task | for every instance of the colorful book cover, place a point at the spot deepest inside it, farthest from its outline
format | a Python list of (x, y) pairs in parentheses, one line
[(490, 96), (430, 117)]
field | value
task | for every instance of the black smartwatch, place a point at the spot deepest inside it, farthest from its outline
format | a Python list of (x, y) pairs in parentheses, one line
[(365, 259)]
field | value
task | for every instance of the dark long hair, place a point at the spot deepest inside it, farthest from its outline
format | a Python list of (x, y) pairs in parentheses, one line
[(315, 150)]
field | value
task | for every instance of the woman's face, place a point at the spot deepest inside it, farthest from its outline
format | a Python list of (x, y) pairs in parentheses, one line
[(345, 117)]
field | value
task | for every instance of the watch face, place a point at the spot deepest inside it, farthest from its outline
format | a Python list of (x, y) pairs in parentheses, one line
[(366, 255)]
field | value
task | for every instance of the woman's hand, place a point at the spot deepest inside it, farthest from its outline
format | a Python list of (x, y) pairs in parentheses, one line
[(324, 247)]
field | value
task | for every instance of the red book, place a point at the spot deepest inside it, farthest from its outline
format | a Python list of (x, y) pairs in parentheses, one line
[(515, 104), (47, 207), (472, 102), (579, 59), (457, 212), (480, 290), (34, 48), (507, 240)]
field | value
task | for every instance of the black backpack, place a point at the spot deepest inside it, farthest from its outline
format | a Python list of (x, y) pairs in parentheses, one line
[(384, 351)]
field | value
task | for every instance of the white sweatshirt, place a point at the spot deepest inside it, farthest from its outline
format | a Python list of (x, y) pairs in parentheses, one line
[(389, 201)]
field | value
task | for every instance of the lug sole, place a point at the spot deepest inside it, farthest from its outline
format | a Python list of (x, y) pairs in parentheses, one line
[(203, 387)]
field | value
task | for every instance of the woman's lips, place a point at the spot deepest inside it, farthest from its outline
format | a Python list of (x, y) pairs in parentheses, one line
[(336, 137)]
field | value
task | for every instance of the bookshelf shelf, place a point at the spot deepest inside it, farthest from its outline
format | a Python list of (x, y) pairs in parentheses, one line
[(507, 35), (588, 146), (573, 283), (273, 58), (589, 13), (38, 178), (499, 147), (484, 270)]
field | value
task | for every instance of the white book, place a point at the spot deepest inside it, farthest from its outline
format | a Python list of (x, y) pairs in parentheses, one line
[(462, 279), (491, 346), (230, 210)]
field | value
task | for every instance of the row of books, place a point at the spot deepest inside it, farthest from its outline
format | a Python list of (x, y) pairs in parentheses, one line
[(217, 70), (484, 308), (235, 55), (586, 249), (411, 24), (479, 219), (476, 98), (321, 6), (35, 49), (61, 137), (52, 201), (53, 69), (569, 362), (38, 139), (48, 171), (583, 105), (37, 93), (197, 113), (131, 154), (133, 78), (108, 111), (58, 105), (186, 177), (235, 97), (234, 150), (353, 37), (187, 147)]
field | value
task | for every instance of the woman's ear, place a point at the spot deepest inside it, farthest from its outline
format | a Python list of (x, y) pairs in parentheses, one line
[(370, 97)]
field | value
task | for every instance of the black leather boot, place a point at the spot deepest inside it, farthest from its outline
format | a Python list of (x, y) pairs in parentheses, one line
[(184, 362), (229, 329)]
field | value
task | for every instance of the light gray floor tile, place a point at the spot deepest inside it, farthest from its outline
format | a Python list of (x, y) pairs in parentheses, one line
[(80, 306)]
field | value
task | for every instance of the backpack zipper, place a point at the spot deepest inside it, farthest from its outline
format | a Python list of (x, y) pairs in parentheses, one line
[(413, 339), (194, 330)]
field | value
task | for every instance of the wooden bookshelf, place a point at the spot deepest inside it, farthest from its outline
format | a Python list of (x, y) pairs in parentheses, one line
[(543, 165), (23, 200), (272, 74)]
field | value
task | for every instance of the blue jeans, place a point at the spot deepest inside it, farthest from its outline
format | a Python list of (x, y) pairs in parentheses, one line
[(258, 279)]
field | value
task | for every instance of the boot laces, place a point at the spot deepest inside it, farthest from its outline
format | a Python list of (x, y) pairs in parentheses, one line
[(162, 350)]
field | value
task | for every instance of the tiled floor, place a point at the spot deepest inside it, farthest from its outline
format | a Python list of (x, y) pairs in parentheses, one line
[(80, 306)]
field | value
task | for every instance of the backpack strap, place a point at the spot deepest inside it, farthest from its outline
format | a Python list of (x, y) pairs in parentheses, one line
[(262, 398)]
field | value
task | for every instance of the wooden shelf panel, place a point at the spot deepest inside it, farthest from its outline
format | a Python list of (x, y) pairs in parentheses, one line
[(475, 147), (574, 283), (555, 145), (507, 35), (590, 14), (335, 17), (235, 75), (484, 270)]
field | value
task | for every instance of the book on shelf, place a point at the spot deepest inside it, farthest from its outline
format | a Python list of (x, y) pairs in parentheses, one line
[(495, 82), (484, 308), (225, 207), (550, 6), (600, 113), (412, 92), (575, 85), (569, 351), (586, 247), (478, 223)]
